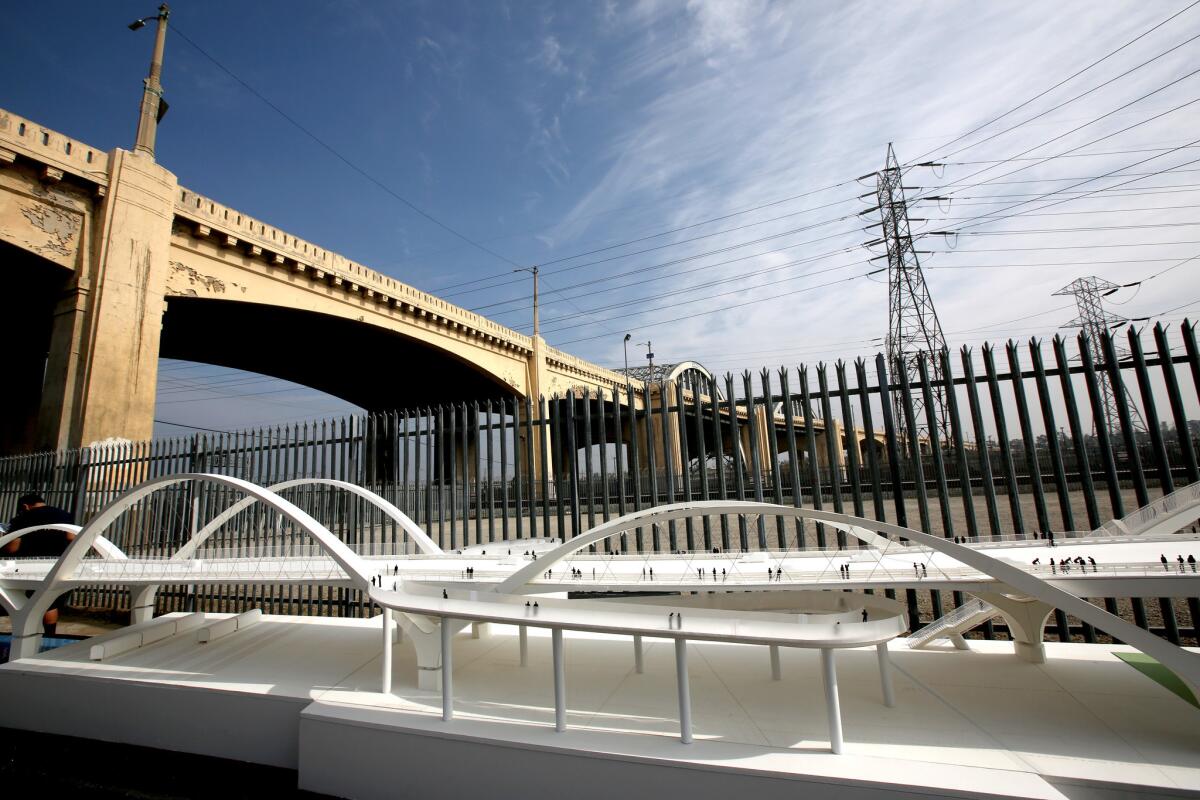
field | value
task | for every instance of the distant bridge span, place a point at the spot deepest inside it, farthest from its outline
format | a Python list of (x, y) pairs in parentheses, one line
[(111, 264)]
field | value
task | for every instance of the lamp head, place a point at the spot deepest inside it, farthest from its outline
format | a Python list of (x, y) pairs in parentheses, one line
[(136, 24), (628, 336)]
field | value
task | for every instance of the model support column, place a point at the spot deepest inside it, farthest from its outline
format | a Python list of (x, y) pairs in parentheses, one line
[(560, 682), (524, 645), (387, 651), (685, 692), (639, 662), (776, 668), (447, 670), (832, 705), (885, 674), (141, 604), (1026, 620)]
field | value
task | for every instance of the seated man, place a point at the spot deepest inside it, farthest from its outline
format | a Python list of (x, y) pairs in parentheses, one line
[(32, 511)]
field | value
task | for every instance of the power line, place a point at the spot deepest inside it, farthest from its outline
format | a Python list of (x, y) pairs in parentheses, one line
[(328, 147), (1065, 80)]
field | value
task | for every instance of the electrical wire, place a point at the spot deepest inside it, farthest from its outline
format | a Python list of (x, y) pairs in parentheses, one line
[(1062, 82), (331, 150)]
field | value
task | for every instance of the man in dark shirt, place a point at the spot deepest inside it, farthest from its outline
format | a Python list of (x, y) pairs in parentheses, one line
[(32, 512)]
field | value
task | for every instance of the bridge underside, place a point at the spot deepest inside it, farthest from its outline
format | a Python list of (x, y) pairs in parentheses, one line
[(363, 364), (33, 286)]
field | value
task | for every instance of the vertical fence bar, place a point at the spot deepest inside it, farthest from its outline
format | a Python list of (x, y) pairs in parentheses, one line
[(854, 444), (668, 451), (1103, 439), (789, 421), (833, 448), (701, 455), (735, 446), (685, 476), (1182, 433), (873, 466), (755, 453), (1113, 367), (1031, 459), (773, 455), (588, 459), (814, 473), (1151, 413), (1052, 437), (719, 456)]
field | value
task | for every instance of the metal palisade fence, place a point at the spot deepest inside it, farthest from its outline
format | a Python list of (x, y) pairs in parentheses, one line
[(1017, 454)]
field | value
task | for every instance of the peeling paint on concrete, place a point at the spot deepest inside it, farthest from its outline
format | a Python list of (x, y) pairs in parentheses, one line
[(61, 227), (206, 282)]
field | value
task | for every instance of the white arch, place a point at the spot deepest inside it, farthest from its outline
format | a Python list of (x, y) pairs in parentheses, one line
[(28, 617), (1167, 514), (1186, 665), (104, 547), (419, 537)]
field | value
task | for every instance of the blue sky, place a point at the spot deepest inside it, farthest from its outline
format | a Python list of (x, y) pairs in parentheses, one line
[(547, 130)]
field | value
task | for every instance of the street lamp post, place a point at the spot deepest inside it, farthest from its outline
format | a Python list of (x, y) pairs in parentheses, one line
[(152, 103), (628, 336)]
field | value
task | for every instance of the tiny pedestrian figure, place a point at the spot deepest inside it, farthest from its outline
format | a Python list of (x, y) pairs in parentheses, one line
[(535, 608), (924, 572), (671, 620), (444, 595), (1163, 559), (527, 607), (916, 569), (1092, 561), (864, 615), (714, 573), (679, 621), (1191, 559), (723, 572), (396, 569), (1037, 561), (770, 574), (643, 573), (1180, 560), (652, 573)]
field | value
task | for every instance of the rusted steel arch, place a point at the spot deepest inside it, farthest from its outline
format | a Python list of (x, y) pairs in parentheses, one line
[(1183, 663), (28, 619), (418, 535)]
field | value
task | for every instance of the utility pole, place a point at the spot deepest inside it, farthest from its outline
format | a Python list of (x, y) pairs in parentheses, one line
[(533, 271), (1095, 321), (914, 331), (153, 106), (650, 358)]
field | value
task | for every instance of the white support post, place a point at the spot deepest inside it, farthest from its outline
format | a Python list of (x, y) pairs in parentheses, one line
[(387, 650), (639, 663), (776, 669), (560, 682), (524, 642), (832, 706), (885, 674), (685, 692), (447, 670)]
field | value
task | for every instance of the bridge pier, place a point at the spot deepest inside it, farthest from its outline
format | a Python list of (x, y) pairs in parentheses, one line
[(1026, 620), (102, 367)]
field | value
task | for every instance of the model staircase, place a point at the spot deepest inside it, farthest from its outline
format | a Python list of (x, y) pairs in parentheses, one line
[(953, 625)]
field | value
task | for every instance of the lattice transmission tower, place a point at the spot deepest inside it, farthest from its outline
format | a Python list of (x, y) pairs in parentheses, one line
[(1096, 321), (913, 328)]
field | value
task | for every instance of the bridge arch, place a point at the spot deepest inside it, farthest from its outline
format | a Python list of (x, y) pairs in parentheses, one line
[(357, 358), (1186, 665), (27, 620)]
